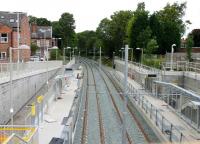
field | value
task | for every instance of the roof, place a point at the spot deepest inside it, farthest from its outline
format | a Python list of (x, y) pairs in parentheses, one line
[(10, 18), (42, 31)]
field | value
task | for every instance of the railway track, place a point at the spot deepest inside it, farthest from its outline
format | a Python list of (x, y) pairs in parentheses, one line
[(88, 135), (101, 119)]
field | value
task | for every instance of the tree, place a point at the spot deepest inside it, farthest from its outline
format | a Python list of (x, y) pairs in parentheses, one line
[(152, 46), (171, 25), (104, 35), (112, 32), (196, 37), (143, 38), (86, 41), (39, 21), (137, 27), (55, 54), (43, 22), (118, 25), (67, 27), (189, 45), (34, 48)]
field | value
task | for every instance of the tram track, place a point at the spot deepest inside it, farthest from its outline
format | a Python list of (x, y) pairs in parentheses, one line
[(103, 111)]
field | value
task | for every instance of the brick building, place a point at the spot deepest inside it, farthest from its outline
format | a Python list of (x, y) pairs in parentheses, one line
[(8, 35), (42, 37)]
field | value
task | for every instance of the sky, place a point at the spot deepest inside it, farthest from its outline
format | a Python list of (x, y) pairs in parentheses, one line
[(89, 13)]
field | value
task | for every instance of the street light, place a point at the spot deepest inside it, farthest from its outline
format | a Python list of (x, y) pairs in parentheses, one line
[(122, 50), (113, 59), (172, 51), (74, 49), (125, 94), (11, 80), (64, 55), (141, 55), (70, 52)]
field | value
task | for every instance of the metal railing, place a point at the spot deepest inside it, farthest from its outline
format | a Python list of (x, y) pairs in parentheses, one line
[(22, 68), (170, 131), (18, 134), (142, 67), (182, 66)]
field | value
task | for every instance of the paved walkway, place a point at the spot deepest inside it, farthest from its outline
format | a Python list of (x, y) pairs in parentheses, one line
[(52, 125), (168, 113)]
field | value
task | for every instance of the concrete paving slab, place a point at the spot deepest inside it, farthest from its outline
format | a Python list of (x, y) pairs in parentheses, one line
[(58, 110)]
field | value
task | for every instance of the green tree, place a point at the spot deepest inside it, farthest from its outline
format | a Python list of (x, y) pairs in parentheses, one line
[(118, 26), (138, 27), (43, 22), (189, 45), (86, 41), (143, 38), (152, 46), (112, 32), (39, 21), (172, 26), (55, 54), (105, 37), (196, 37), (34, 48), (67, 27)]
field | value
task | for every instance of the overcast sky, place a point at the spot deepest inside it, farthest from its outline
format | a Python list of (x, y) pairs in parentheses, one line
[(88, 13)]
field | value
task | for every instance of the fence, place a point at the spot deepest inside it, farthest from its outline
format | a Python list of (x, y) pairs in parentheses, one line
[(171, 132), (182, 66), (15, 134), (28, 67), (142, 67)]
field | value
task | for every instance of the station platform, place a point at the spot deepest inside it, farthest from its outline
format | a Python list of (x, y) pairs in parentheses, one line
[(58, 112), (190, 134)]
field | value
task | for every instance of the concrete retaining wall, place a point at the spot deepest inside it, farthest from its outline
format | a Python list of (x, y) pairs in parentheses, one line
[(23, 90), (182, 79)]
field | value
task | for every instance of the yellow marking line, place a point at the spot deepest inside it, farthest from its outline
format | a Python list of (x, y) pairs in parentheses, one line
[(15, 129)]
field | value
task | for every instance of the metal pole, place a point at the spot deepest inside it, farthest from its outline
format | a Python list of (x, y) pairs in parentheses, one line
[(11, 89), (70, 55), (172, 51), (125, 94), (18, 37), (63, 55), (100, 58)]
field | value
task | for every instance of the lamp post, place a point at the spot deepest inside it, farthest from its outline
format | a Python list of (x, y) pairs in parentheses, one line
[(172, 51), (70, 52), (125, 94), (141, 54), (122, 49), (100, 58), (11, 81), (74, 49), (113, 59), (64, 55)]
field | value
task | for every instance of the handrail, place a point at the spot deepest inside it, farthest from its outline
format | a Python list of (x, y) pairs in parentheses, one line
[(180, 89)]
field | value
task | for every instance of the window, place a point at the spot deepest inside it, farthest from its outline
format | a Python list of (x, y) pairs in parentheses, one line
[(12, 20), (3, 55), (4, 38), (38, 43)]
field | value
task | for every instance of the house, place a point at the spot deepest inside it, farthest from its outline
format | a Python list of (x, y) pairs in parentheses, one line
[(42, 37), (8, 36)]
